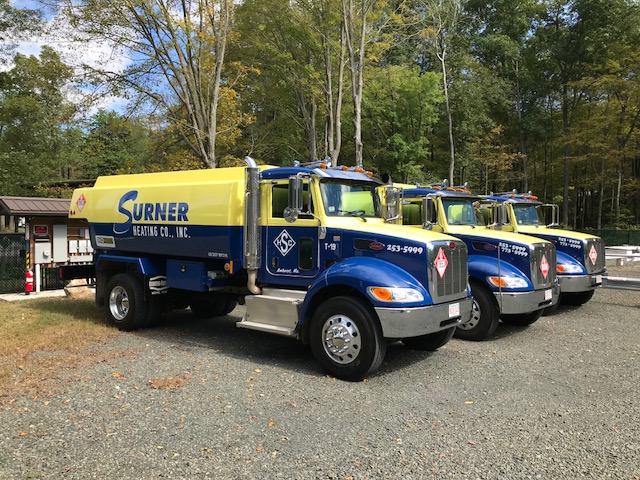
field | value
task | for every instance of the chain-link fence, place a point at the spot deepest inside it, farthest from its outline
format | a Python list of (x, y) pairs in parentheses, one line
[(13, 267), (12, 264)]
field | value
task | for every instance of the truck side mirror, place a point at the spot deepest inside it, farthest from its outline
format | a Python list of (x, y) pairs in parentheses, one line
[(550, 214), (391, 205), (429, 213), (499, 216), (294, 205)]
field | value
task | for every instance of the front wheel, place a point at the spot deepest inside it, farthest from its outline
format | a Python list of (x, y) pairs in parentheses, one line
[(576, 298), (524, 319), (485, 315), (431, 341), (346, 338), (125, 303)]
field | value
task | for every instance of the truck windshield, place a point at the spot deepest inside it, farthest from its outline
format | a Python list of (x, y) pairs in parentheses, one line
[(344, 198), (526, 214), (461, 212)]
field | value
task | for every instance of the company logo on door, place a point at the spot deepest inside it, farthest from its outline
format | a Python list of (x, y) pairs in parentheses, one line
[(284, 243)]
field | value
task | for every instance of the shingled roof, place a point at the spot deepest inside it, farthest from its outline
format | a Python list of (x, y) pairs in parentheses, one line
[(34, 206)]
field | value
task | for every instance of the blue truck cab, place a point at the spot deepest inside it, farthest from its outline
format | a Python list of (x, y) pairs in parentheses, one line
[(512, 276), (314, 252), (580, 257)]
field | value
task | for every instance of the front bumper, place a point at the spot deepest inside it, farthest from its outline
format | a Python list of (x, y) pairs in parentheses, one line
[(580, 283), (417, 321), (525, 302)]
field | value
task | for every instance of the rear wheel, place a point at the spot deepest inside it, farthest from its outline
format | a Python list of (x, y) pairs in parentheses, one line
[(524, 319), (346, 338), (431, 341), (576, 298), (125, 304), (208, 305), (485, 315)]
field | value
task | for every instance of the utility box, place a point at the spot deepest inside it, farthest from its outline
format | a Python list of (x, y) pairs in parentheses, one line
[(42, 253), (60, 251)]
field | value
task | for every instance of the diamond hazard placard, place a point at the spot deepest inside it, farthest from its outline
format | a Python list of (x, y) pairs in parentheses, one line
[(81, 202), (593, 255), (441, 263), (544, 266)]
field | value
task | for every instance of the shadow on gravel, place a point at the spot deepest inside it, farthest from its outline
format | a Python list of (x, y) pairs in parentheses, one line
[(183, 331)]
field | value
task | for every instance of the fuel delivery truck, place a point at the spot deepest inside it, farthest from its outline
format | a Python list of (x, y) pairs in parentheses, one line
[(580, 257), (314, 252), (512, 276)]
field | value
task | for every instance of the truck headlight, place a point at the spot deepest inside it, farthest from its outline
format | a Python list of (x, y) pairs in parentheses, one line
[(568, 268), (508, 282), (395, 294)]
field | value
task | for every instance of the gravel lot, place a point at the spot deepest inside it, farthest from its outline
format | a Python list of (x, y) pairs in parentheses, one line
[(190, 399)]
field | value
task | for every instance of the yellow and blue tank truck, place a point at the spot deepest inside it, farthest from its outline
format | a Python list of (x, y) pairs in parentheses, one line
[(580, 257), (512, 276), (314, 252)]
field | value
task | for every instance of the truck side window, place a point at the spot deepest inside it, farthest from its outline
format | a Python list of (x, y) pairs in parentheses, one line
[(280, 197), (305, 254)]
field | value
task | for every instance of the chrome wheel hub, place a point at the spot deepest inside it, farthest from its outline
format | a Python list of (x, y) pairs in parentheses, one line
[(341, 339), (475, 317), (119, 303)]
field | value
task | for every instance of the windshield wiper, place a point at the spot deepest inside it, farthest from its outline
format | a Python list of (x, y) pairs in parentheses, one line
[(355, 213)]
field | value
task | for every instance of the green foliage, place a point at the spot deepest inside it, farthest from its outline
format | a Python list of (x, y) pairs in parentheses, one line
[(400, 109), (33, 117), (543, 95)]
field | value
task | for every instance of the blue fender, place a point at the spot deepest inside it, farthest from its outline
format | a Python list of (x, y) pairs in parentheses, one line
[(483, 266), (144, 265), (562, 257), (360, 273)]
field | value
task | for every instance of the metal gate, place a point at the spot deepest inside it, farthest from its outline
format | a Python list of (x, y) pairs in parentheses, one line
[(12, 264)]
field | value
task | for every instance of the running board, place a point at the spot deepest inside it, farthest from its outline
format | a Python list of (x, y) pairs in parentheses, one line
[(275, 311)]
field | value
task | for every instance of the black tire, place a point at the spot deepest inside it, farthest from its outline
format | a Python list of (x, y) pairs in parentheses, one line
[(208, 305), (346, 338), (229, 307), (125, 305), (576, 298), (431, 341), (485, 315), (524, 319), (552, 309)]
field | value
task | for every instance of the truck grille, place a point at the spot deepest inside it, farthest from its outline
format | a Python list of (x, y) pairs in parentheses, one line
[(449, 283), (598, 246), (547, 251)]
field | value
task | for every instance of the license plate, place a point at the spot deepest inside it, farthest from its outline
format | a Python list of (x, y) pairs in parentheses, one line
[(548, 294), (598, 279), (454, 310)]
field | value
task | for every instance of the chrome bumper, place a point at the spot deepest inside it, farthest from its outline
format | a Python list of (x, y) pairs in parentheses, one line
[(525, 302), (413, 322), (580, 283)]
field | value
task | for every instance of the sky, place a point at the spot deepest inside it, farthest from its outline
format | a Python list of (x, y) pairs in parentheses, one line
[(73, 53)]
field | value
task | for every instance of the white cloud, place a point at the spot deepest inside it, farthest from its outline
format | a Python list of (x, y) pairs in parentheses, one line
[(76, 52)]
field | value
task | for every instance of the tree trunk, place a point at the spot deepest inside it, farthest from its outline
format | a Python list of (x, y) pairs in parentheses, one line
[(601, 195), (566, 131)]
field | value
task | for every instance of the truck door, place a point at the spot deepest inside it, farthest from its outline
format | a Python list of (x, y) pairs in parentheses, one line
[(291, 249)]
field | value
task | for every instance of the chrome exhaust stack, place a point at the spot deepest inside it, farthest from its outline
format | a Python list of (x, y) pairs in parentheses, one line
[(251, 227)]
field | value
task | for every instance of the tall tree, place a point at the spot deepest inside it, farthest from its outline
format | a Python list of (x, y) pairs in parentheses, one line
[(177, 50), (34, 113), (440, 21)]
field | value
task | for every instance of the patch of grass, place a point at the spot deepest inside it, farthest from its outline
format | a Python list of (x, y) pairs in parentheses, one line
[(40, 338)]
